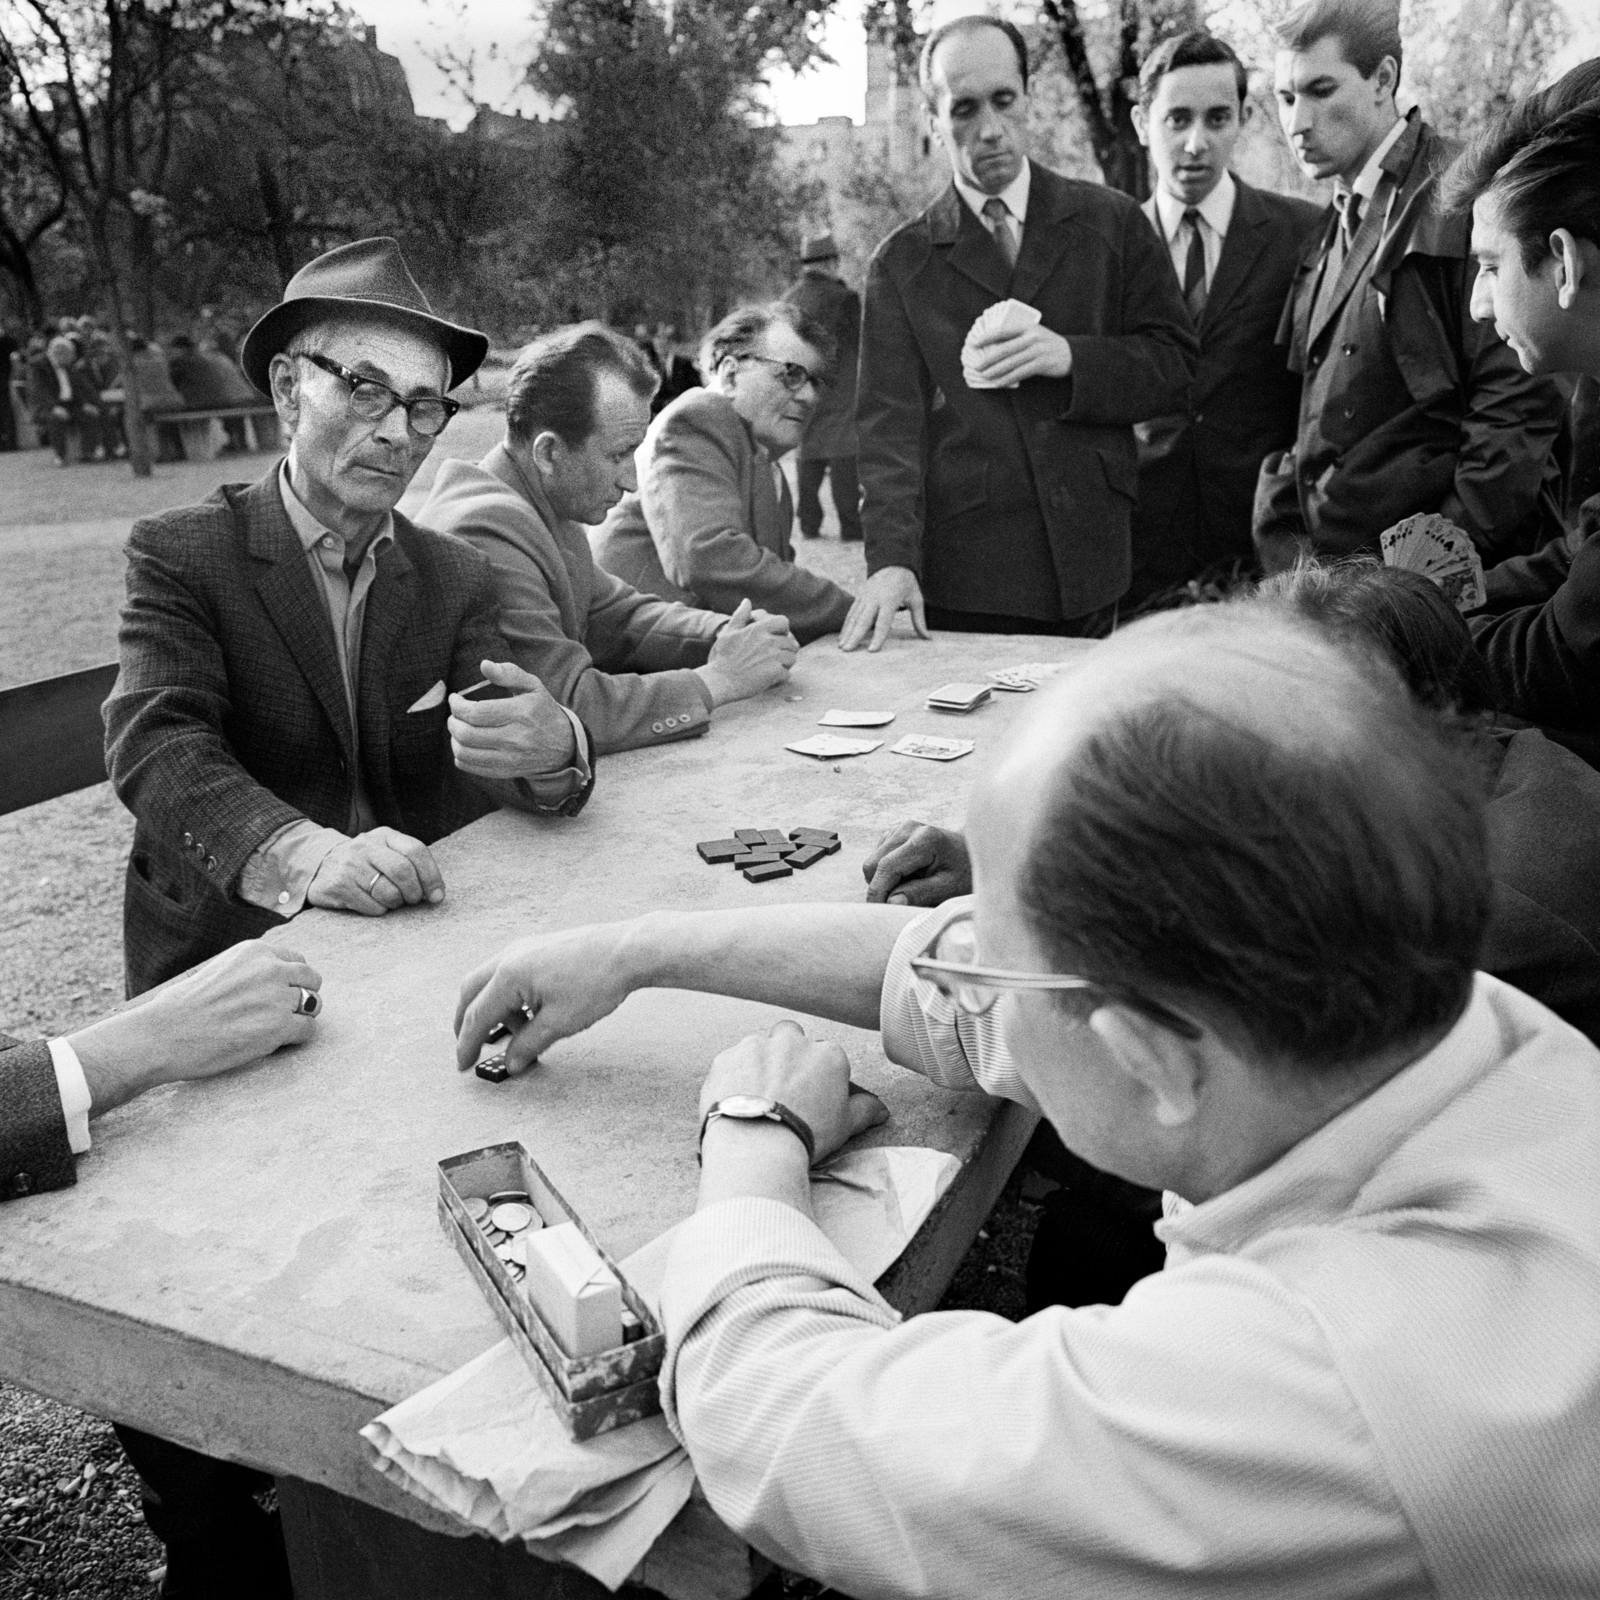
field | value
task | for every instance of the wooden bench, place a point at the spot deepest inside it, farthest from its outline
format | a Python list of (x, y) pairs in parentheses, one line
[(52, 740), (204, 436)]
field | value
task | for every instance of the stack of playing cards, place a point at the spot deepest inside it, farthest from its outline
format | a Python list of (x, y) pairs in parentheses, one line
[(1008, 317), (958, 697), (855, 719), (1441, 552)]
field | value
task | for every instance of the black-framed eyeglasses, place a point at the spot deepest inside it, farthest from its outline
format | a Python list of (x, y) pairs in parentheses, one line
[(793, 375), (949, 964), (427, 415)]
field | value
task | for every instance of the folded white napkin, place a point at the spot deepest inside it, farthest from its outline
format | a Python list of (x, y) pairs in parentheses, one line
[(485, 1445), (1005, 316)]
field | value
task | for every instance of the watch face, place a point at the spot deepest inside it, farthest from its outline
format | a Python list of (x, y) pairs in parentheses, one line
[(744, 1107)]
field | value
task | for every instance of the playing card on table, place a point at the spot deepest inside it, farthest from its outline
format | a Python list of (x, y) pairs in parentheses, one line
[(829, 746), (1441, 552), (855, 719), (1008, 317), (932, 749), (1013, 682), (958, 696)]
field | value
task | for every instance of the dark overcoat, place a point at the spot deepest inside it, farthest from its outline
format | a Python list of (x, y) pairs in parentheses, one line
[(1016, 501), (1408, 404), (1198, 469), (229, 720)]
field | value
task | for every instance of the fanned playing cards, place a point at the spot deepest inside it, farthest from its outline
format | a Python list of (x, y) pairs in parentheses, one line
[(1440, 551), (1008, 317)]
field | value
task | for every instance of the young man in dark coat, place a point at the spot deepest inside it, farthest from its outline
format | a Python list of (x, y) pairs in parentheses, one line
[(829, 447), (1234, 249), (998, 471), (1408, 404)]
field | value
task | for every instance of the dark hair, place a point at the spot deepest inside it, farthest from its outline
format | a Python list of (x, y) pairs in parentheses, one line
[(1322, 899), (1405, 614), (1542, 160), (552, 386), (968, 25), (1196, 48), (1367, 31), (737, 333)]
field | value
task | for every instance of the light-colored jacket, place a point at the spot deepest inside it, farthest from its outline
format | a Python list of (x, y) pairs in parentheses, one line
[(621, 659), (707, 526)]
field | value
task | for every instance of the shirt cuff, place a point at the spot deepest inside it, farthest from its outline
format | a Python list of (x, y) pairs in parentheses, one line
[(277, 876), (74, 1091), (551, 790)]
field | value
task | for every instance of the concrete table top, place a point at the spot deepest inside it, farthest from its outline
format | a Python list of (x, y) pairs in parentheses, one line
[(253, 1265)]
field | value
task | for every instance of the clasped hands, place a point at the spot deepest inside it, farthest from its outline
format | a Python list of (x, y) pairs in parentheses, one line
[(1007, 359)]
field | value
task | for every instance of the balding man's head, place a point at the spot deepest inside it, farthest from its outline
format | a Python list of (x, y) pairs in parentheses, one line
[(1230, 812)]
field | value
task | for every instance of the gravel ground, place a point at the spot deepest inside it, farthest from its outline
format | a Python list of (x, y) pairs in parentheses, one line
[(69, 1518)]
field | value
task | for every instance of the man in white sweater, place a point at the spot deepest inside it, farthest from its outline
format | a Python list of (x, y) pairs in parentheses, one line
[(1230, 885)]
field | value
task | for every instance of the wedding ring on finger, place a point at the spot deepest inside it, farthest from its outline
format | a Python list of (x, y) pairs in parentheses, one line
[(372, 887), (309, 1003)]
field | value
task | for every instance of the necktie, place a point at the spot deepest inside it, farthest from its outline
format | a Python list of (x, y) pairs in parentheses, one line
[(999, 215), (1349, 208), (1194, 268)]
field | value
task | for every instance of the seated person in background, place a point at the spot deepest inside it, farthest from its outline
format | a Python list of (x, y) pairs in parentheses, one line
[(280, 726), (1533, 183), (637, 669), (239, 1006), (1231, 885), (1543, 808), (713, 519), (157, 395), (235, 1008), (211, 381)]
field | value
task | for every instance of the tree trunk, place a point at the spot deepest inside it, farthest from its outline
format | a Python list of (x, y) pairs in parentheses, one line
[(132, 403)]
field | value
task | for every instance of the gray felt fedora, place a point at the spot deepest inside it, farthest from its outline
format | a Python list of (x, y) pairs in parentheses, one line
[(369, 276)]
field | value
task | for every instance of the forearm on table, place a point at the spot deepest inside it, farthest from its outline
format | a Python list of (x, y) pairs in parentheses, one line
[(826, 960)]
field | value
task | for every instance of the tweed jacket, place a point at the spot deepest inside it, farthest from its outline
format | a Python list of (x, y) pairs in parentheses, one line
[(707, 527), (34, 1153), (1408, 405), (229, 720), (624, 661), (1198, 468), (829, 300), (1016, 501)]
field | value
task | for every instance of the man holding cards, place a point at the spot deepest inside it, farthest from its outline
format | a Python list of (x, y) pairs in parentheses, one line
[(1011, 337), (282, 725)]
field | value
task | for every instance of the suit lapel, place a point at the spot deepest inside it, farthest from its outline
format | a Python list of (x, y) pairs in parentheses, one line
[(1242, 245), (288, 592), (385, 620), (1045, 235), (1362, 248), (972, 253)]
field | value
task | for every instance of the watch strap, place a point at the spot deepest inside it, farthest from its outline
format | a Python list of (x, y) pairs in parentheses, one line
[(778, 1112)]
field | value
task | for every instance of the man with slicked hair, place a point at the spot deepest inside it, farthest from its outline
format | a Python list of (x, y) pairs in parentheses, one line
[(1231, 883)]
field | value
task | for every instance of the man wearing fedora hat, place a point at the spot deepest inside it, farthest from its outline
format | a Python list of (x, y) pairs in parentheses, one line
[(829, 446), (288, 726)]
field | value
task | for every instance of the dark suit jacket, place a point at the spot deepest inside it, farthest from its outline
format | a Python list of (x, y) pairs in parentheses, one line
[(229, 720), (1539, 631), (706, 527), (832, 302), (1198, 469), (1408, 404), (1016, 501), (34, 1153)]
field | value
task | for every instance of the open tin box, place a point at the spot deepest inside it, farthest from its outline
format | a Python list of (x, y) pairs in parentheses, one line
[(591, 1394)]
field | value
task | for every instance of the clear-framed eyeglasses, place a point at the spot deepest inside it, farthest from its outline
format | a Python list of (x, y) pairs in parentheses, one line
[(427, 415), (949, 964)]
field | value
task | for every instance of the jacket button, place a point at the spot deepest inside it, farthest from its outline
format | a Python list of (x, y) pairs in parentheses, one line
[(211, 863), (188, 840), (655, 727), (1199, 416), (1349, 412), (21, 1184), (1349, 349)]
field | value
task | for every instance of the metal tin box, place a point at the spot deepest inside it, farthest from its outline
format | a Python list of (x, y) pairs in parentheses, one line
[(591, 1394)]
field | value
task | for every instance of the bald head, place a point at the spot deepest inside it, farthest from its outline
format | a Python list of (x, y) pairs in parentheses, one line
[(1228, 810)]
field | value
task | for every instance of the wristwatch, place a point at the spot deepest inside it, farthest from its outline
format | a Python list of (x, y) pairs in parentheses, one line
[(757, 1108)]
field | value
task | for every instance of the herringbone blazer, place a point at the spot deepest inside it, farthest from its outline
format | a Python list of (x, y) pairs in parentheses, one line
[(34, 1153), (229, 718)]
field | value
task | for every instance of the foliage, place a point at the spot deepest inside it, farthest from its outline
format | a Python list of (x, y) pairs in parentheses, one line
[(668, 199)]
